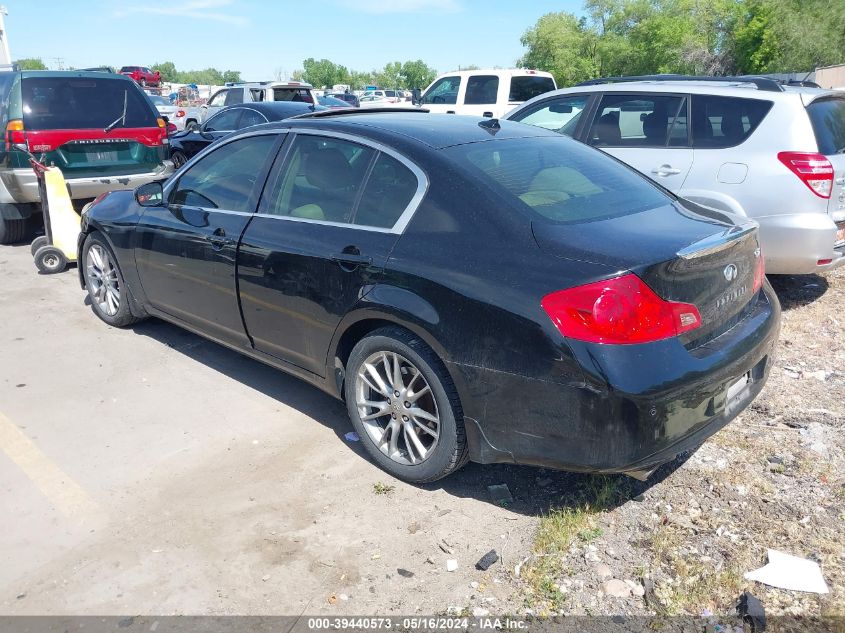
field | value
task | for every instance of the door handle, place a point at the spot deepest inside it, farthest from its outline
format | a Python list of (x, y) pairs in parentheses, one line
[(487, 115), (352, 259), (218, 239), (666, 170)]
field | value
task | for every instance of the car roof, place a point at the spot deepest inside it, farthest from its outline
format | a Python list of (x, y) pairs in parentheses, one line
[(434, 130), (64, 74), (502, 72)]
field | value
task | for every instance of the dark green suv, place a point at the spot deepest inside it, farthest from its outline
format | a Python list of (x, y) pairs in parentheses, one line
[(98, 128)]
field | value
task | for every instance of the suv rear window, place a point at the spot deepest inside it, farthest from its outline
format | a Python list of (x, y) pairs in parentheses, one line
[(560, 180), (828, 118), (292, 94), (719, 122), (528, 87), (74, 103)]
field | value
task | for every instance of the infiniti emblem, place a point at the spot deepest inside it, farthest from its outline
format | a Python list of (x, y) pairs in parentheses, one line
[(730, 272)]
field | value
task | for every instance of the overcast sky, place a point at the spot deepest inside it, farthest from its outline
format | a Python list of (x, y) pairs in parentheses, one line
[(261, 37)]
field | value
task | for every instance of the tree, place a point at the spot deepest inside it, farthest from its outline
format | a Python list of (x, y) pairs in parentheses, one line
[(324, 73), (168, 71), (560, 44), (31, 63), (389, 76), (416, 74)]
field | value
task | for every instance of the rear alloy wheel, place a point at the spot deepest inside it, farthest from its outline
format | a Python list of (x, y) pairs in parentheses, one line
[(178, 159), (50, 260), (404, 407), (104, 283)]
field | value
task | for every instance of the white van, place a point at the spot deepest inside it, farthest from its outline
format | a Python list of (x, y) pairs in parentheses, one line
[(490, 93)]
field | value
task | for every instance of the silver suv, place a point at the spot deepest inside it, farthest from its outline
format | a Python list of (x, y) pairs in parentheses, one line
[(746, 145)]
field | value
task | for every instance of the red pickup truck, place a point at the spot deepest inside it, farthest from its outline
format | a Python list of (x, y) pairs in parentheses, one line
[(142, 75)]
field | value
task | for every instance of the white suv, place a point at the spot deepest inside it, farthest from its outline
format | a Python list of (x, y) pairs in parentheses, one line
[(747, 145)]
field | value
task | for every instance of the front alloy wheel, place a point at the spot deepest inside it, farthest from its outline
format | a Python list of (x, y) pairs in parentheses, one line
[(102, 280), (397, 407)]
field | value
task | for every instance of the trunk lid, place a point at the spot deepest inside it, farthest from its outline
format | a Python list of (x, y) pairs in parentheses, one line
[(701, 257)]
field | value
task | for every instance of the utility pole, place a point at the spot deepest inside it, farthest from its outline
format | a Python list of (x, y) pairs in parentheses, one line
[(5, 56)]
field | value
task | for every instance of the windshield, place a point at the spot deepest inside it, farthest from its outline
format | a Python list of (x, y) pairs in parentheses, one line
[(828, 118), (73, 103), (559, 180)]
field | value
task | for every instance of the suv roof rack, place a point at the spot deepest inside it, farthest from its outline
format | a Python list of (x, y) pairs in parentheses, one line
[(352, 110), (762, 83)]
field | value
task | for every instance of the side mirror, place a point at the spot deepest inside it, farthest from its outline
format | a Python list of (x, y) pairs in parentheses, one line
[(150, 195), (415, 96)]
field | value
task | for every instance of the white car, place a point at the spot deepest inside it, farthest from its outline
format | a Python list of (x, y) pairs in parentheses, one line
[(166, 108), (251, 92), (747, 145), (488, 93)]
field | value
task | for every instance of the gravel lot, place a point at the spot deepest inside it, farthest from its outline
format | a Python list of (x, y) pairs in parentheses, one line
[(150, 471)]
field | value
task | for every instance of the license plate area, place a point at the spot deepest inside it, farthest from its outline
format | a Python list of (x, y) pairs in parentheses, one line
[(735, 388)]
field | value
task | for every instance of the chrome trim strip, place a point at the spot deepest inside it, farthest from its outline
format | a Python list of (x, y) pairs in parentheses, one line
[(345, 225), (717, 242)]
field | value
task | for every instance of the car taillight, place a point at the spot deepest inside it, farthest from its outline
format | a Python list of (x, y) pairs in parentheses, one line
[(814, 170), (180, 114), (15, 134), (759, 271), (161, 122), (618, 311)]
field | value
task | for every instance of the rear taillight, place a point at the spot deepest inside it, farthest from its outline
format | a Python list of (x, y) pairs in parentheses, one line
[(618, 311), (759, 271), (814, 170), (15, 134), (180, 114)]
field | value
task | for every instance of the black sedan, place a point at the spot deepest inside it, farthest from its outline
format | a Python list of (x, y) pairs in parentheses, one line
[(473, 289), (186, 144)]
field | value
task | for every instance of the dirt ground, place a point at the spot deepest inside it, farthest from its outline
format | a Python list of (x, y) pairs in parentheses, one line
[(147, 471)]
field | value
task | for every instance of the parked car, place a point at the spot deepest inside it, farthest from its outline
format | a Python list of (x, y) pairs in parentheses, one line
[(235, 94), (750, 146), (190, 142), (350, 98), (99, 129), (331, 102), (142, 75), (474, 290), (373, 100), (489, 93), (165, 108)]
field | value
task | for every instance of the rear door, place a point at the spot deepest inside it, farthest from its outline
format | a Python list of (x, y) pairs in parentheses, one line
[(828, 118), (67, 118), (185, 251), (647, 131), (332, 210), (481, 95)]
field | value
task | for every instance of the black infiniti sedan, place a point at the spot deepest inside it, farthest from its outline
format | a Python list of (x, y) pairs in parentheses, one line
[(188, 143), (473, 289)]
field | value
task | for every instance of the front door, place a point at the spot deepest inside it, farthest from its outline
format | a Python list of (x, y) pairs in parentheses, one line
[(647, 131), (331, 213), (186, 250)]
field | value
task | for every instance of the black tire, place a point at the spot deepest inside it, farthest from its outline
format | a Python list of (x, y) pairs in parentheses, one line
[(191, 124), (12, 231), (123, 316), (178, 159), (37, 243), (451, 451), (50, 260)]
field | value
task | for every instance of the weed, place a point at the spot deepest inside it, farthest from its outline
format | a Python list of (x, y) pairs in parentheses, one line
[(383, 489)]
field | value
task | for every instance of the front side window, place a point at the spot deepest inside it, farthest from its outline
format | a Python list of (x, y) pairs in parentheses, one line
[(560, 115), (719, 122), (223, 122), (83, 103), (482, 90), (225, 178), (250, 117), (639, 121), (444, 90), (558, 180), (218, 100), (320, 180)]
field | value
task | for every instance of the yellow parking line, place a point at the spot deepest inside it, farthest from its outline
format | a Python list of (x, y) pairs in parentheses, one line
[(59, 489)]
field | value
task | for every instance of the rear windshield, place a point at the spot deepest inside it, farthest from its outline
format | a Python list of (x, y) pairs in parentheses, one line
[(828, 117), (528, 87), (75, 103), (558, 179), (292, 94)]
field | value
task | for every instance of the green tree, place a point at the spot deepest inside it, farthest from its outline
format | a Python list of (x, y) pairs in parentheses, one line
[(323, 73), (562, 45), (416, 74), (231, 76), (390, 76), (168, 71), (31, 63)]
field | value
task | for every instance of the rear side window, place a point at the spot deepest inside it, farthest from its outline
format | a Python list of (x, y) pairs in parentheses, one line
[(559, 180), (389, 190), (719, 122), (292, 94), (7, 80), (529, 86), (225, 178), (234, 97), (641, 120), (560, 115), (828, 118), (444, 90), (82, 103), (482, 90)]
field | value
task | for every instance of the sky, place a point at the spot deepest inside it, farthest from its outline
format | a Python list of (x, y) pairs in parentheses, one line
[(263, 39)]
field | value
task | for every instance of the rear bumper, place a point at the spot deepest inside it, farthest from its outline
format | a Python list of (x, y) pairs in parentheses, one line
[(21, 185), (794, 244), (639, 407)]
